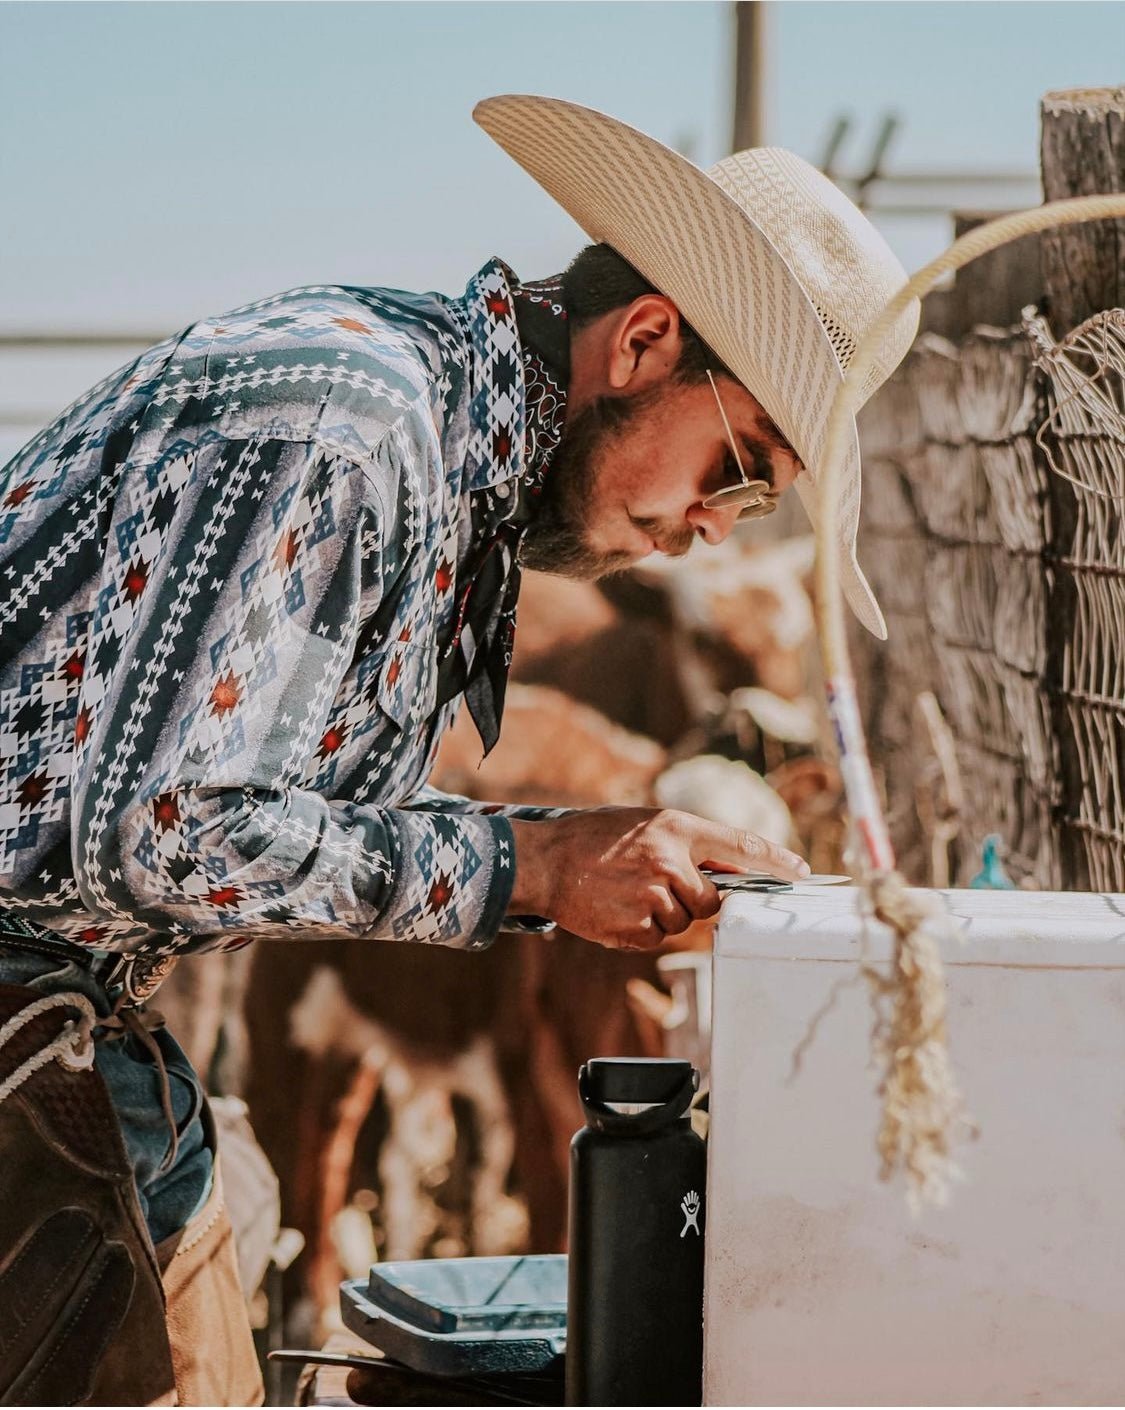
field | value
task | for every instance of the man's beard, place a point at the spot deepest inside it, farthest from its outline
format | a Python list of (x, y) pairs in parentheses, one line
[(557, 540)]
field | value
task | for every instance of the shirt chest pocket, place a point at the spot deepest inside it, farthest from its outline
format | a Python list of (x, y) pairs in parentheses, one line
[(407, 689), (405, 696)]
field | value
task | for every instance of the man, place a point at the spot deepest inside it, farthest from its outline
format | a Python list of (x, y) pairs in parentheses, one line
[(249, 579)]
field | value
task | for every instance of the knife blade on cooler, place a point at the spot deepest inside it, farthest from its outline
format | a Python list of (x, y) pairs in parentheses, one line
[(763, 881)]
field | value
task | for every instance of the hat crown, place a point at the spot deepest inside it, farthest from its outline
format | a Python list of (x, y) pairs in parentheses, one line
[(769, 262), (844, 265)]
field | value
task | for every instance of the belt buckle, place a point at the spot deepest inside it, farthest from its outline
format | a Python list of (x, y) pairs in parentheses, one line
[(139, 976)]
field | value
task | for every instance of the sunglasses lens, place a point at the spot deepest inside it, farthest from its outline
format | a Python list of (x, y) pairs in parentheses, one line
[(736, 496), (759, 510)]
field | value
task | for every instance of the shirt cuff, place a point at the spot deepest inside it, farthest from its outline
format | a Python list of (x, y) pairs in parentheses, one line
[(454, 875), (501, 882)]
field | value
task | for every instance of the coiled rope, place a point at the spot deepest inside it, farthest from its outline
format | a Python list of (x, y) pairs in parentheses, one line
[(73, 1045), (922, 1110)]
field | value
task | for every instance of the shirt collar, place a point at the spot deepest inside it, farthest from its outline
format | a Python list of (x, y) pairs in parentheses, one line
[(521, 366), (519, 345), (495, 454)]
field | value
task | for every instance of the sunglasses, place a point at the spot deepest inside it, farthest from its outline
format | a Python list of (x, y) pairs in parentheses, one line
[(752, 498)]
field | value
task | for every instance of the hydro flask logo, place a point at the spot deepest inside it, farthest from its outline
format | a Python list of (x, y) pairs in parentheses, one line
[(690, 1207)]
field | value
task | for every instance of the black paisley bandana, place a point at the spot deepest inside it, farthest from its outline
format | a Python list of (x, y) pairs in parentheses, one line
[(545, 346)]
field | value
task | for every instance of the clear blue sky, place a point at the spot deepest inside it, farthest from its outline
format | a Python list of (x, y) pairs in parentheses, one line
[(162, 161)]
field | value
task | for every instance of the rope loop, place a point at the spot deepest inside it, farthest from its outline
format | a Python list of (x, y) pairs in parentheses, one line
[(72, 1047)]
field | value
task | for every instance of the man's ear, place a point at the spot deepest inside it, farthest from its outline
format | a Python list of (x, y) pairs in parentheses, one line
[(645, 344)]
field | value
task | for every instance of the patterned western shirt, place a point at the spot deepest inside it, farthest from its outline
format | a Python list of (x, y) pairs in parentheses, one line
[(228, 577)]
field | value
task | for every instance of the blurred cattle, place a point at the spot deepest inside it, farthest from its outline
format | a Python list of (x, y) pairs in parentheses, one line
[(552, 750), (657, 649), (484, 1046)]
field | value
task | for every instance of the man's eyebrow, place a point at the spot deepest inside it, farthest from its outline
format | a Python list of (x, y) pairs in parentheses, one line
[(757, 449), (757, 452), (771, 433)]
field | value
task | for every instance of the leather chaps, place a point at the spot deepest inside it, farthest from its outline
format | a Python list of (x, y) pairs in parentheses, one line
[(82, 1309)]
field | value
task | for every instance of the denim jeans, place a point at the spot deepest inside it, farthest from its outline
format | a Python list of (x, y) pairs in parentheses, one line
[(170, 1197)]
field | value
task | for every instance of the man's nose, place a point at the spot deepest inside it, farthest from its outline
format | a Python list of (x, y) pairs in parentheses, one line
[(713, 525)]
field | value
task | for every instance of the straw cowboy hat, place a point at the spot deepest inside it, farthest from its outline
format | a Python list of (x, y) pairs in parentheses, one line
[(771, 264)]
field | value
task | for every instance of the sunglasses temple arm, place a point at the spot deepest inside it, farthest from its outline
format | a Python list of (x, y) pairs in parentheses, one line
[(727, 427)]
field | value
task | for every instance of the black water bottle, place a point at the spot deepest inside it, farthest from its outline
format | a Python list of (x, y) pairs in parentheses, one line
[(634, 1320)]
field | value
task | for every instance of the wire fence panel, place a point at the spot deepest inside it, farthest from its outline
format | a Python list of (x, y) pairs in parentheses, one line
[(994, 494)]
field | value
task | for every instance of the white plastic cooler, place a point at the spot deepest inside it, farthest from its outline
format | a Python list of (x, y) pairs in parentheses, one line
[(822, 1288)]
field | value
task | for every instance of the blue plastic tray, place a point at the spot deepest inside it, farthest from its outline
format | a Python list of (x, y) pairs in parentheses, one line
[(464, 1316)]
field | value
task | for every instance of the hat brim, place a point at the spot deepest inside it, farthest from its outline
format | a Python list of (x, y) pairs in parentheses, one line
[(698, 246)]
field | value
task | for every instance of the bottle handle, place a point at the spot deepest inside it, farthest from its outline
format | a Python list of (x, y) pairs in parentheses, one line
[(642, 1123)]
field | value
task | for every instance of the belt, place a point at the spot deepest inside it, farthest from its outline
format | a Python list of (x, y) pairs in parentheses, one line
[(128, 979)]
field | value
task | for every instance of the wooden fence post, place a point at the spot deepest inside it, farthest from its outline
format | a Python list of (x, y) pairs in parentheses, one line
[(1082, 151)]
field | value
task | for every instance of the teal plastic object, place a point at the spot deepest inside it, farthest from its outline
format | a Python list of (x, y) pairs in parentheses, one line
[(464, 1316), (992, 876)]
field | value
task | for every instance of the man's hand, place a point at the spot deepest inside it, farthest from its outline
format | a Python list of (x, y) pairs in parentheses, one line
[(629, 877)]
